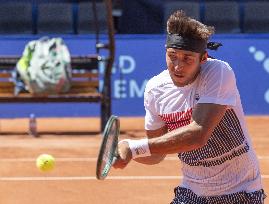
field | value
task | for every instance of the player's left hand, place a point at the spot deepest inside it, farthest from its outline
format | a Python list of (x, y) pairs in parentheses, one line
[(125, 155)]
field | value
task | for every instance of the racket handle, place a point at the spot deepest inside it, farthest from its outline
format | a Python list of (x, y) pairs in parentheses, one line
[(115, 158)]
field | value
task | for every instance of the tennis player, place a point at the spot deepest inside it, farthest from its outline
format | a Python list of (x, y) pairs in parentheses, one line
[(193, 108)]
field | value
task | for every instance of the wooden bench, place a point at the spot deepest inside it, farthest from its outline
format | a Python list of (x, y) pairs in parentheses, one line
[(84, 84), (85, 78)]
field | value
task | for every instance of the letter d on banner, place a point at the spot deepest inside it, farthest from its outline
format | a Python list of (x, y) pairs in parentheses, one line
[(126, 64)]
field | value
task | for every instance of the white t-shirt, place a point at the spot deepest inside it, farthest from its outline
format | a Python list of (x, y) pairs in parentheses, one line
[(227, 163)]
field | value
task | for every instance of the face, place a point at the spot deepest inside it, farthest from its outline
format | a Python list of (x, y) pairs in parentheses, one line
[(183, 65)]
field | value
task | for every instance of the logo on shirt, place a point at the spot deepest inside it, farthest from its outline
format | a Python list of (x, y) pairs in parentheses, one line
[(197, 97), (140, 150)]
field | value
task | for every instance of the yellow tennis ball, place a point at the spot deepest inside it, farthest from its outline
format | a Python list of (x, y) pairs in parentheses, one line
[(45, 162)]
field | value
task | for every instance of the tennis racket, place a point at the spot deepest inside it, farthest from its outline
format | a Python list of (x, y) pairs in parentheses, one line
[(108, 151)]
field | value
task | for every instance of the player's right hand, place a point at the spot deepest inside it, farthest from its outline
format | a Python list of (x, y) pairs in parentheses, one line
[(124, 155)]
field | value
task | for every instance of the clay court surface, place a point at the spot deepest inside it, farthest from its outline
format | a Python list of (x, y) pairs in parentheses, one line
[(73, 180)]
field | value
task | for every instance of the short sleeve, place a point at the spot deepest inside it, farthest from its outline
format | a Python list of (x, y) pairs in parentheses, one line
[(219, 85), (152, 119)]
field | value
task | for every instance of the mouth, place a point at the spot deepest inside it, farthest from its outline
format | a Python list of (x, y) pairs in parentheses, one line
[(178, 75)]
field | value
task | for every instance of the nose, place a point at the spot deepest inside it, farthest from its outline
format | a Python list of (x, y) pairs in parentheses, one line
[(177, 65)]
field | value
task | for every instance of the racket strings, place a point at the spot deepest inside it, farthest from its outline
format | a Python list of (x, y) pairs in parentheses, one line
[(108, 149)]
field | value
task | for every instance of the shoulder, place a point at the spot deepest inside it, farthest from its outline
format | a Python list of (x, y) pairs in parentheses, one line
[(158, 81), (216, 68), (215, 65)]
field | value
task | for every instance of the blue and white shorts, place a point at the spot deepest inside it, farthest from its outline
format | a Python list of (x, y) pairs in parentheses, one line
[(186, 196)]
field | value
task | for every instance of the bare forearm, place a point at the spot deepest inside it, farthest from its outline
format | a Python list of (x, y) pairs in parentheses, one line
[(153, 159), (205, 118)]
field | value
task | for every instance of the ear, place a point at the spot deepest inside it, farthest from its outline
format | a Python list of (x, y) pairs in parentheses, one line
[(204, 57)]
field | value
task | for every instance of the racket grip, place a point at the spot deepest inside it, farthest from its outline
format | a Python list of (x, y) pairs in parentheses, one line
[(115, 158)]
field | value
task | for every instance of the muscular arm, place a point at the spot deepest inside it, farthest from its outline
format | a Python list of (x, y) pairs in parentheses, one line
[(193, 136), (154, 158), (205, 118)]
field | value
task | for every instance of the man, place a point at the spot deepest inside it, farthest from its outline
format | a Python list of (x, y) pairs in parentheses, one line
[(193, 108)]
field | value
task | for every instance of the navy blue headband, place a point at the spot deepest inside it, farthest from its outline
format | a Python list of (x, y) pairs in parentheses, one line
[(195, 45)]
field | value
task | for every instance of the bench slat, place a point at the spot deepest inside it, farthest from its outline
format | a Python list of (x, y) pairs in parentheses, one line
[(71, 91), (8, 84), (89, 62), (78, 87), (5, 75), (74, 75), (77, 84), (85, 75), (6, 90), (29, 98), (82, 90), (85, 84)]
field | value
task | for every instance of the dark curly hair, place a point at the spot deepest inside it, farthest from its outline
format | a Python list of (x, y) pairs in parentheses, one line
[(180, 23)]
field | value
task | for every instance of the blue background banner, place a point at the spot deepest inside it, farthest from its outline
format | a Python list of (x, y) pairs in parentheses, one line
[(138, 58)]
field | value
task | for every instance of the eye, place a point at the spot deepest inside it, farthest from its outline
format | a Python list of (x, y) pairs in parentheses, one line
[(188, 60), (172, 57)]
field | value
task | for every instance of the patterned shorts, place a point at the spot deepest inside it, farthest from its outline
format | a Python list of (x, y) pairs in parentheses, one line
[(186, 196)]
